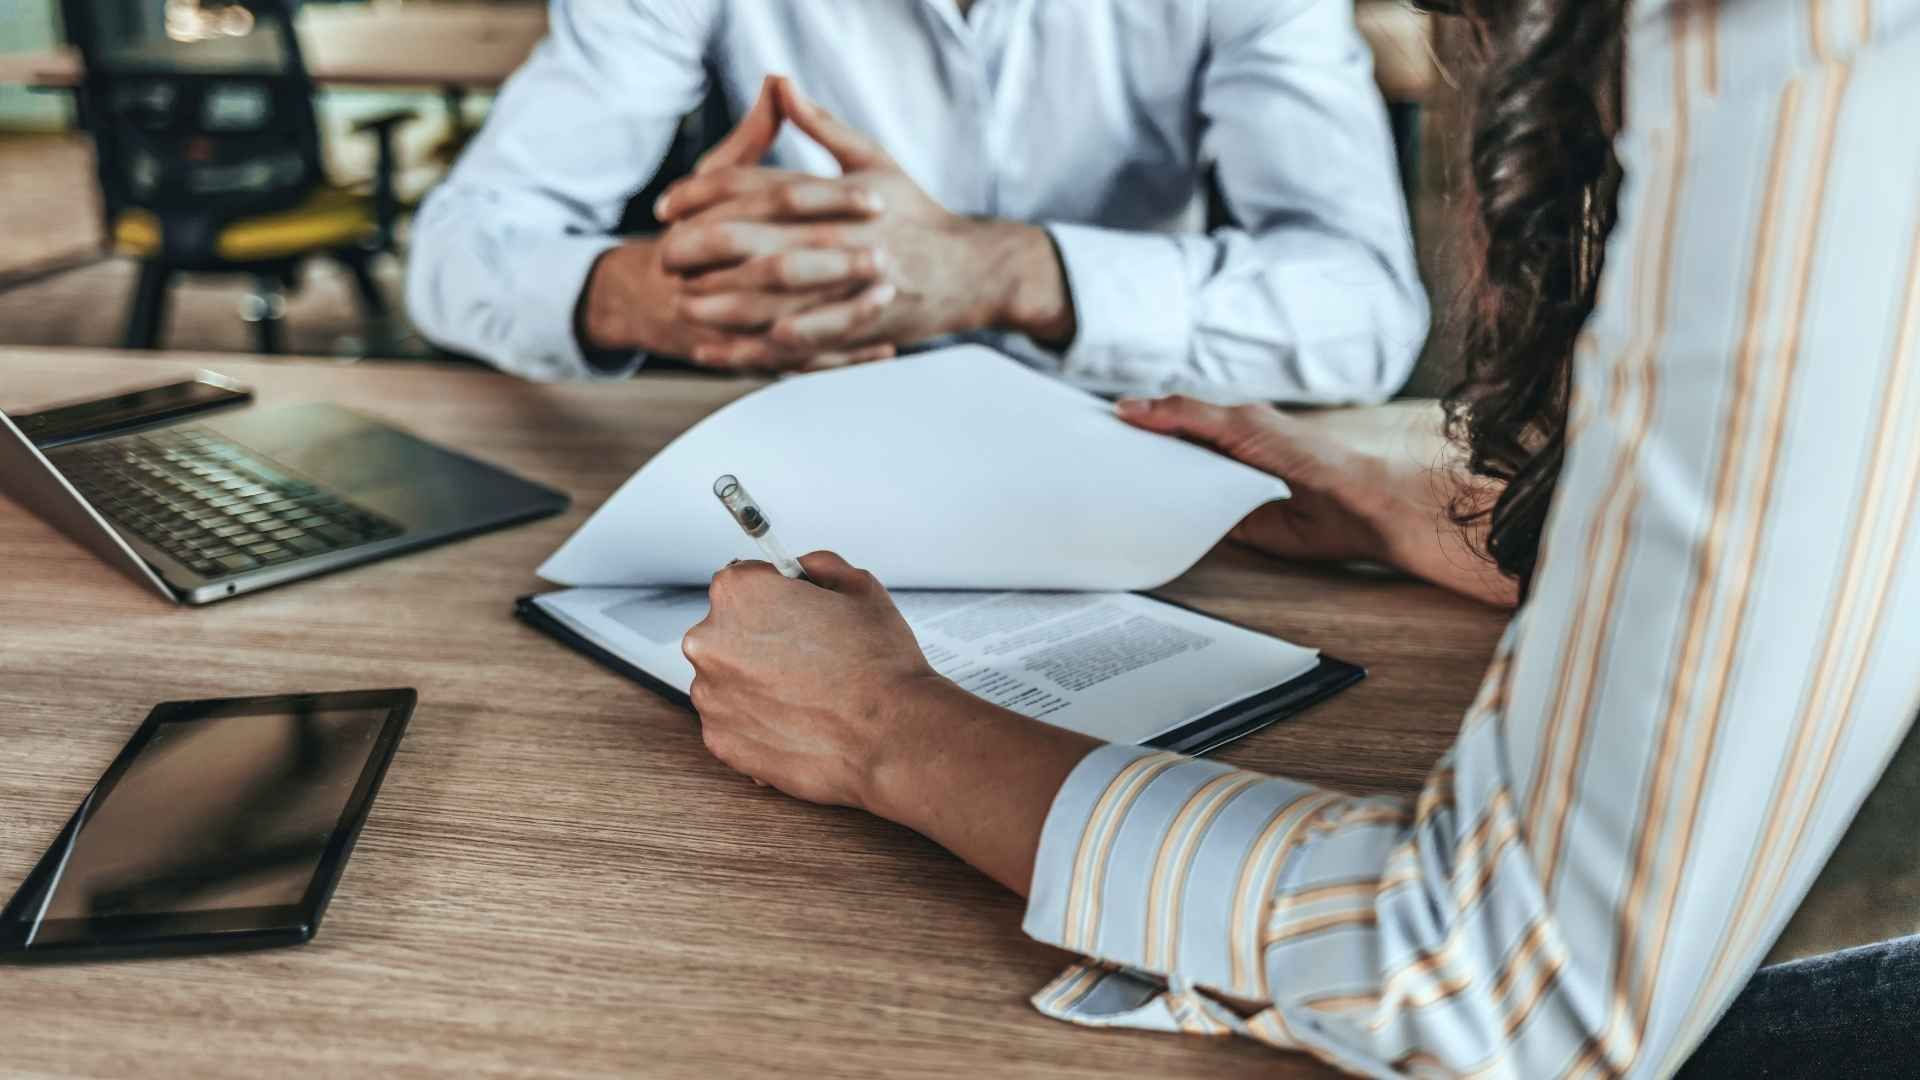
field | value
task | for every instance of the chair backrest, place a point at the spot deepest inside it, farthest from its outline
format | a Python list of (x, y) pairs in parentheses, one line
[(201, 110)]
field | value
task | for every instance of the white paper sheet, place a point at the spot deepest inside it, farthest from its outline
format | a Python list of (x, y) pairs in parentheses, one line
[(1116, 666), (957, 469)]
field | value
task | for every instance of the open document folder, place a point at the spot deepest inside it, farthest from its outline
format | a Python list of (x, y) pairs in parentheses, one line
[(1011, 515)]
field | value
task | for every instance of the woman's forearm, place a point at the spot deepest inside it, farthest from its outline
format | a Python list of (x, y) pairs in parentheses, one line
[(976, 779)]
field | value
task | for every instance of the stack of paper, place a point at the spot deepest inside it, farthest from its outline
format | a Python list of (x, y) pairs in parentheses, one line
[(958, 469)]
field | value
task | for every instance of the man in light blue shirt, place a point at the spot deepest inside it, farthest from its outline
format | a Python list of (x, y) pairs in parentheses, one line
[(1030, 173)]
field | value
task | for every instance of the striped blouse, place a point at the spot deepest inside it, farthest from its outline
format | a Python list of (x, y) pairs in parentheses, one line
[(1715, 665)]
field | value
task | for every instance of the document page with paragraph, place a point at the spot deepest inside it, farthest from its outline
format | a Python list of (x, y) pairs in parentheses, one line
[(1117, 666)]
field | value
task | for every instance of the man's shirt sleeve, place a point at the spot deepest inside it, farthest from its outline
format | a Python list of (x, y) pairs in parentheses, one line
[(502, 250), (1315, 296)]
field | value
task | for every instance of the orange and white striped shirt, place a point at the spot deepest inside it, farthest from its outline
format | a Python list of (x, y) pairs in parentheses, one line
[(1716, 663)]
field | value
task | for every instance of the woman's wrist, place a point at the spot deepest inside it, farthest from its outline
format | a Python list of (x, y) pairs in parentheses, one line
[(906, 716), (975, 778), (1397, 480), (1415, 516), (1369, 490)]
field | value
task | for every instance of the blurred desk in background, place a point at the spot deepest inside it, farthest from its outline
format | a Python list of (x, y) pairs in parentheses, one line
[(461, 47), (477, 46), (464, 46), (557, 877)]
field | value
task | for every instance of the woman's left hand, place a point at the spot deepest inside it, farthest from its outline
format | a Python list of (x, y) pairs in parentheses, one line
[(806, 686)]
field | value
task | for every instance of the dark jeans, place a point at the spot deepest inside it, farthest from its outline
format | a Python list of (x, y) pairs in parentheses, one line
[(1846, 1014)]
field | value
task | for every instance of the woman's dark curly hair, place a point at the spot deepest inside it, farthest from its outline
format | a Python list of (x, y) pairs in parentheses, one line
[(1544, 109)]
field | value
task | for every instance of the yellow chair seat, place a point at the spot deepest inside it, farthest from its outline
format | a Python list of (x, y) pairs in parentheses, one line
[(331, 218)]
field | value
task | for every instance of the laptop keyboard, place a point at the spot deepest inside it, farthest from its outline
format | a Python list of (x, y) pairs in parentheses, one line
[(212, 504)]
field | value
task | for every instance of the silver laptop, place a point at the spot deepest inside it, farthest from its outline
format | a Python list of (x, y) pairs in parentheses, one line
[(210, 508)]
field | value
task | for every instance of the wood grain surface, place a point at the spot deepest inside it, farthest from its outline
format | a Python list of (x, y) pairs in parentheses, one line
[(556, 878), (479, 45)]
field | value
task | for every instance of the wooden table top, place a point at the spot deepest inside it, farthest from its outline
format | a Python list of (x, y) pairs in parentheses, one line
[(480, 45), (556, 877)]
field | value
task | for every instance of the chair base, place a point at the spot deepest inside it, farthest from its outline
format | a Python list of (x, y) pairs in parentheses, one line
[(147, 315), (264, 308)]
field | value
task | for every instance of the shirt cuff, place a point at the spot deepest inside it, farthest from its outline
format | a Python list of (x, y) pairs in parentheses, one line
[(1165, 865), (1135, 322), (550, 276), (1099, 995)]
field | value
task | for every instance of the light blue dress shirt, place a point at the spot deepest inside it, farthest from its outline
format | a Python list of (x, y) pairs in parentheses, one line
[(1094, 118)]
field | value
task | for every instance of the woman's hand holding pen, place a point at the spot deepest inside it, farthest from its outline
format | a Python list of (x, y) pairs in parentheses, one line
[(820, 690), (799, 684)]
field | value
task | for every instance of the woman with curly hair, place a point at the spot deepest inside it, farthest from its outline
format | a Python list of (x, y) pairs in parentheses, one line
[(1688, 455)]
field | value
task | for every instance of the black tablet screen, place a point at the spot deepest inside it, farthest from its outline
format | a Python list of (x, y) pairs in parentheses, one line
[(228, 809)]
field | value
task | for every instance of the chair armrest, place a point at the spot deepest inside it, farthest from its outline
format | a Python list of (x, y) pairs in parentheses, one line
[(384, 122)]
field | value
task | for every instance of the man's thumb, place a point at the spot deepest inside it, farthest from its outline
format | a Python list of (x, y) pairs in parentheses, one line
[(752, 137)]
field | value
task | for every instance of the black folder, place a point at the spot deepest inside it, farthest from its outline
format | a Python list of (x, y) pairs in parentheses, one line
[(1214, 730)]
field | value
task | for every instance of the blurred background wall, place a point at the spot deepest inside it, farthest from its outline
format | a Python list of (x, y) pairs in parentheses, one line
[(27, 25)]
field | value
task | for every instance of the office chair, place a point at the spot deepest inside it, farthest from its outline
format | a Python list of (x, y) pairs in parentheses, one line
[(208, 153)]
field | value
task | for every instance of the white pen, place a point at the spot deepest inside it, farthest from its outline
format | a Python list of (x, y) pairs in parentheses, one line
[(754, 522)]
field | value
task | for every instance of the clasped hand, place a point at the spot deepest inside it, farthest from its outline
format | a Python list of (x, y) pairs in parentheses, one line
[(780, 269)]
